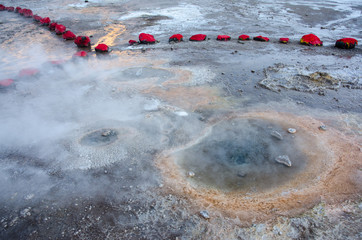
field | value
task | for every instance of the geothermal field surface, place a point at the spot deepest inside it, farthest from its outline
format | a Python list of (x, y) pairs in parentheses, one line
[(188, 140)]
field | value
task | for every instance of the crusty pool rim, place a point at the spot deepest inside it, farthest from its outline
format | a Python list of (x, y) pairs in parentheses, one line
[(332, 175)]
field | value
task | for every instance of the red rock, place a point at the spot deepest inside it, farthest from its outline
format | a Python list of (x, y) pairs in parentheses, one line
[(57, 62), (27, 13), (223, 38), (176, 38), (81, 54), (52, 26), (346, 43), (45, 21), (146, 38), (17, 9), (102, 48), (27, 72), (10, 9), (261, 39), (198, 37), (37, 18), (2, 7), (132, 42), (244, 37), (283, 40), (6, 82), (60, 29), (82, 41), (68, 35), (311, 39)]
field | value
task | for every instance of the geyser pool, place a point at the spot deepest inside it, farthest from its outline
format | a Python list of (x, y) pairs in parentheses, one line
[(100, 137), (240, 154)]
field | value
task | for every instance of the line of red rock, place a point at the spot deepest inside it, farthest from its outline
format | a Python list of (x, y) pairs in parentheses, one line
[(144, 38), (80, 41), (309, 39)]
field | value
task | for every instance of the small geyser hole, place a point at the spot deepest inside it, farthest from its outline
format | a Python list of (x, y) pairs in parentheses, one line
[(240, 154), (100, 137)]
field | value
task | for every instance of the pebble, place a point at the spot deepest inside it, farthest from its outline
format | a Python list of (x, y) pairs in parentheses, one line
[(277, 231), (205, 214), (191, 174), (241, 174), (323, 127), (292, 130), (284, 159), (29, 196), (106, 133), (182, 113), (25, 212), (277, 135)]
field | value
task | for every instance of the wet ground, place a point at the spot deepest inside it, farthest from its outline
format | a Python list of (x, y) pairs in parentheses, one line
[(134, 144)]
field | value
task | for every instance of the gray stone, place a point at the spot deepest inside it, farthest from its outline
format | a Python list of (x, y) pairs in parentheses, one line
[(284, 159), (205, 214), (106, 133), (292, 130), (323, 127), (277, 231), (277, 135), (25, 212)]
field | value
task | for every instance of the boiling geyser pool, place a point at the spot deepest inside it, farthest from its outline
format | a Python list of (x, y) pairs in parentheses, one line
[(100, 137), (241, 155), (235, 166)]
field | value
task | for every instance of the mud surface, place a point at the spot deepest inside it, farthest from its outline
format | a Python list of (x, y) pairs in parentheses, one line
[(136, 143)]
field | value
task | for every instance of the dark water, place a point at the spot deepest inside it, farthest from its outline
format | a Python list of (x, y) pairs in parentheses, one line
[(240, 155)]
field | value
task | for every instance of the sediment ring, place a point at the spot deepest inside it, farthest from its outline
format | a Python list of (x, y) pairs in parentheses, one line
[(331, 174)]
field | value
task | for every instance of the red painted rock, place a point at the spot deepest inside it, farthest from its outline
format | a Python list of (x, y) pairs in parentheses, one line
[(2, 7), (28, 72), (6, 82), (68, 35), (311, 39), (132, 42), (10, 9), (27, 13), (21, 11), (146, 38), (81, 54), (261, 39), (244, 37), (52, 26), (198, 37), (60, 29), (82, 41), (284, 40), (57, 62), (103, 48), (17, 9), (176, 38), (223, 38), (45, 21), (346, 43), (37, 18)]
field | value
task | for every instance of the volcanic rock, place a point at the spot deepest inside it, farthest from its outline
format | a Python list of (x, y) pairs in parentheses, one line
[(284, 159)]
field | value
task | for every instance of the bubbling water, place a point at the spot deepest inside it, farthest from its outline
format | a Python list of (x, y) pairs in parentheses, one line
[(240, 154)]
